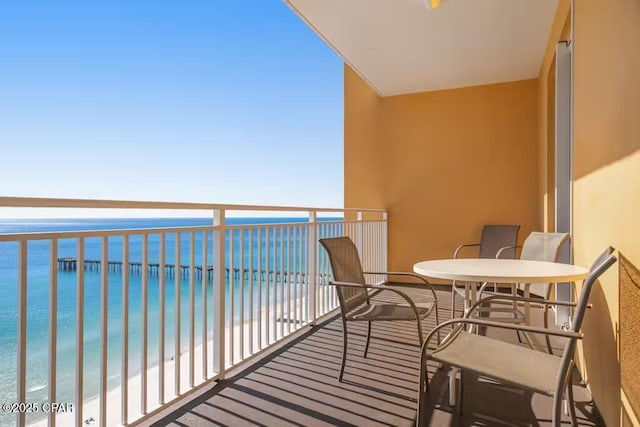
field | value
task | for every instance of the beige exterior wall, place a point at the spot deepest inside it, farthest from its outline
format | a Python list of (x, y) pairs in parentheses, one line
[(440, 165), (607, 184), (607, 177)]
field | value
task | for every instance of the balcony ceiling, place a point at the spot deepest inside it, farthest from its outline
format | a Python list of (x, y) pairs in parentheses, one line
[(401, 46)]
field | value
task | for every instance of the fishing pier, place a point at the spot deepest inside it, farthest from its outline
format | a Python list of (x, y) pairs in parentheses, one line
[(69, 264)]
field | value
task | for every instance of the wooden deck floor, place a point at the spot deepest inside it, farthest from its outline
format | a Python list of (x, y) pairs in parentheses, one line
[(297, 386)]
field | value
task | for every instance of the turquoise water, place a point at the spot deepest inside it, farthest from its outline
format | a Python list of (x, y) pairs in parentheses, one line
[(38, 300)]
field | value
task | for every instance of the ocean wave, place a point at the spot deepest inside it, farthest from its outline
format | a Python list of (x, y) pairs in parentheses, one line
[(37, 388)]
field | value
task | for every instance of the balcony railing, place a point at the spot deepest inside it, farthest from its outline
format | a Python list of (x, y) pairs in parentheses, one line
[(153, 314)]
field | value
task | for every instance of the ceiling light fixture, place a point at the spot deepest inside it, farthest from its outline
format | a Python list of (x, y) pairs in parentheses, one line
[(434, 4)]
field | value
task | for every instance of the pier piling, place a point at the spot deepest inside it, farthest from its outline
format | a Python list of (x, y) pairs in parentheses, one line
[(69, 264)]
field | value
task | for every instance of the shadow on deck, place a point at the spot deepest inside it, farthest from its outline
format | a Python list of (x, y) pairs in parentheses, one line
[(297, 385)]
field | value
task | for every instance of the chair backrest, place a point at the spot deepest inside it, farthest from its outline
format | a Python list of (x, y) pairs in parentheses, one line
[(495, 237), (542, 247), (346, 267), (602, 257), (602, 264), (599, 266)]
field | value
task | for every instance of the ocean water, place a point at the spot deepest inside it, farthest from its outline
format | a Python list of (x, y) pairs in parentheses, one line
[(38, 299)]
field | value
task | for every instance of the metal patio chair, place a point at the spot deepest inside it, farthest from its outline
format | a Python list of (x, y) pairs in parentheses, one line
[(537, 246), (508, 363), (354, 294), (493, 239)]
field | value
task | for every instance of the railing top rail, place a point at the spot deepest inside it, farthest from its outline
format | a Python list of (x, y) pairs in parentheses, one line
[(116, 232), (72, 234), (41, 202)]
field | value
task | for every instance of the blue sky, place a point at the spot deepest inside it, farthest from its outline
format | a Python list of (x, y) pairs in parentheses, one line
[(222, 101)]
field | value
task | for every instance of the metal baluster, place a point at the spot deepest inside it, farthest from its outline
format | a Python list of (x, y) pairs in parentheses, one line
[(22, 330), (124, 375), (241, 237), (312, 267), (268, 292), (251, 270), (332, 289), (282, 280), (53, 332), (325, 287), (301, 270), (219, 351), (289, 279), (205, 274), (296, 307), (161, 331), (232, 292), (143, 351), (104, 318), (177, 286), (259, 288), (192, 307), (320, 289), (80, 333), (275, 286)]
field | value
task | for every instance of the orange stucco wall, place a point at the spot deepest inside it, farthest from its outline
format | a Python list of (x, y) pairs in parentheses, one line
[(363, 153), (442, 163)]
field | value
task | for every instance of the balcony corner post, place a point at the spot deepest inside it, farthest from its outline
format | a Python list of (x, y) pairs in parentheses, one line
[(219, 315), (385, 219), (360, 233), (312, 266)]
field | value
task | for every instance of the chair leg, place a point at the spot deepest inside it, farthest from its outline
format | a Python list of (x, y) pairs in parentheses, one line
[(570, 401), (453, 300), (366, 346), (423, 391), (485, 312), (420, 339), (344, 349), (546, 326), (556, 419), (514, 292), (460, 393), (437, 323)]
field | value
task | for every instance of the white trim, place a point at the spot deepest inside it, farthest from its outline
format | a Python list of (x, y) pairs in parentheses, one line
[(564, 168), (42, 202), (335, 49)]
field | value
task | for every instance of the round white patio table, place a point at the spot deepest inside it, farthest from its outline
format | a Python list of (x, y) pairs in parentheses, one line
[(500, 270), (507, 271)]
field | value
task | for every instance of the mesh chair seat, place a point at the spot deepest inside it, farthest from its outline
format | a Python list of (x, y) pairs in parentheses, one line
[(505, 362), (390, 312)]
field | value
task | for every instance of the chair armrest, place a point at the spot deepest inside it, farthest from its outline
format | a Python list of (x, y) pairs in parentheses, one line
[(386, 288), (397, 273), (459, 248), (407, 285), (512, 326), (499, 253)]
